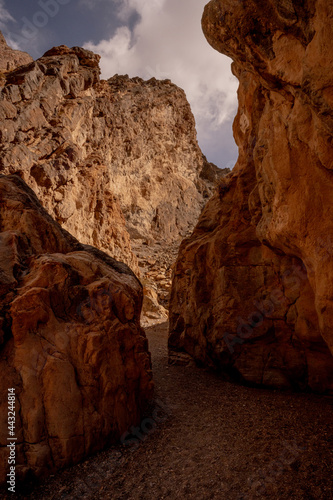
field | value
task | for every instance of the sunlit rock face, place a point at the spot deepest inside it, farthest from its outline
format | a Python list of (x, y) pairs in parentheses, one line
[(11, 59), (111, 161), (253, 285), (71, 346)]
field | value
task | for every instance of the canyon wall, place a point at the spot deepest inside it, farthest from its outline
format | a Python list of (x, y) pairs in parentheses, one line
[(110, 160), (253, 285), (11, 59), (72, 350)]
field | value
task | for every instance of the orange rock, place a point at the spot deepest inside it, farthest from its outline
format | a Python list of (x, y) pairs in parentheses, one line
[(70, 338), (252, 291)]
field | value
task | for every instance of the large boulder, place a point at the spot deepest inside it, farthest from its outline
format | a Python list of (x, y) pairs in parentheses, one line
[(71, 345), (252, 291)]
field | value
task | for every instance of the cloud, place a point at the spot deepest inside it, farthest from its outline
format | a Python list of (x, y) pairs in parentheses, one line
[(146, 8), (4, 14), (12, 31), (5, 17), (89, 4), (167, 42)]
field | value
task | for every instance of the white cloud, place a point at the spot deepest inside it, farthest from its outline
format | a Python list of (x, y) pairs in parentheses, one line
[(168, 42), (5, 17), (4, 14), (24, 33), (146, 8)]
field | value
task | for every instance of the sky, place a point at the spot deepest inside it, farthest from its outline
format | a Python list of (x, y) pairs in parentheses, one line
[(146, 38)]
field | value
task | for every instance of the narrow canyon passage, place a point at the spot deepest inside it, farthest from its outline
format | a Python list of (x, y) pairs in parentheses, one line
[(110, 213), (219, 440)]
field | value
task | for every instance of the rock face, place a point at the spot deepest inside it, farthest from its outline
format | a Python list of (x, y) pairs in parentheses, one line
[(46, 116), (109, 160), (114, 162), (11, 59), (70, 339), (252, 291)]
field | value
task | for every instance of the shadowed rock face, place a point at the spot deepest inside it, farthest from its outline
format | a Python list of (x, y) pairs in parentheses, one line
[(70, 340), (252, 291)]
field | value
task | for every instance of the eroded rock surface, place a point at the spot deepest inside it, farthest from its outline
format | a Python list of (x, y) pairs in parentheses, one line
[(71, 344), (10, 58), (109, 160), (46, 116), (252, 291)]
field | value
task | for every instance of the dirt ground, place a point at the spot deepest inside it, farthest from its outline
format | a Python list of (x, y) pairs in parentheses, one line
[(208, 438)]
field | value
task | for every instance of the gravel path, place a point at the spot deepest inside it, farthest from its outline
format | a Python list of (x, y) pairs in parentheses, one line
[(212, 439)]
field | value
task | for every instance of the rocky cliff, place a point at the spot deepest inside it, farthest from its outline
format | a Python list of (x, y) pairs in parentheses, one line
[(11, 59), (72, 350), (252, 291), (110, 160)]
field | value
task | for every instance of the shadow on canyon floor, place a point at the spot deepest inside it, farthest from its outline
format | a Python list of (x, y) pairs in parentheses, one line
[(211, 439)]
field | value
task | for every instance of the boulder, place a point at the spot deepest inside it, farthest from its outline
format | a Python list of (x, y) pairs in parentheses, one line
[(71, 346)]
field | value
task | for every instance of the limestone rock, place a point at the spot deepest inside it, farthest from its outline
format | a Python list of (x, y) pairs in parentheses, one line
[(10, 58), (109, 160), (156, 261), (152, 311), (113, 162), (252, 291), (70, 339)]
